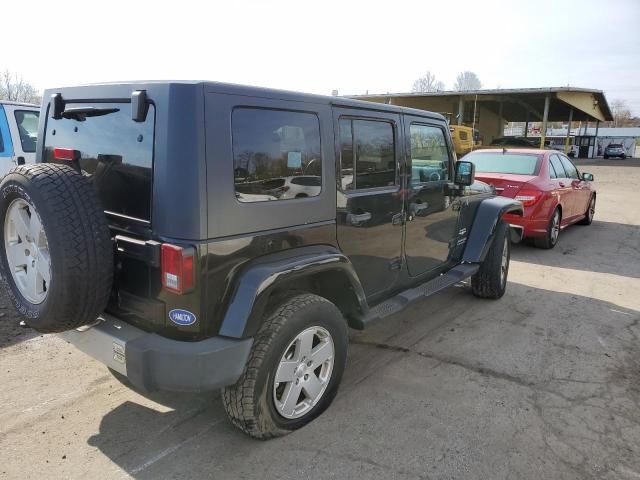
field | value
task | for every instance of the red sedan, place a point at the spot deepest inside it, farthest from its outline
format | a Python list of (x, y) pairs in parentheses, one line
[(554, 193)]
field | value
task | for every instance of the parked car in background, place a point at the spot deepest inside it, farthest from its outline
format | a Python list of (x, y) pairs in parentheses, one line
[(521, 142), (554, 193), (614, 150), (18, 134)]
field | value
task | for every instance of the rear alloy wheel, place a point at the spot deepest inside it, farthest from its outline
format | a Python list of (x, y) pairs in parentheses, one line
[(304, 372), (552, 234), (591, 211), (294, 369)]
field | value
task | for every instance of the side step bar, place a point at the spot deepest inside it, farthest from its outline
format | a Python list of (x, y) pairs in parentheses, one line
[(401, 300)]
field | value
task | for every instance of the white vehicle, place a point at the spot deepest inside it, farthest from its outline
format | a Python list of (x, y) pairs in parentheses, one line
[(301, 186), (18, 134)]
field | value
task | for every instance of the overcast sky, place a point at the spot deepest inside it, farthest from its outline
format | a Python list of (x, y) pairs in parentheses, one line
[(323, 45)]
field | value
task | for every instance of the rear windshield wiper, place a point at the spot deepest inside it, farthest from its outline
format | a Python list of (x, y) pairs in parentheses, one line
[(81, 113)]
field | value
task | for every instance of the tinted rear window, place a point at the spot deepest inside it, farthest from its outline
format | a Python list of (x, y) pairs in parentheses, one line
[(307, 181), (514, 163), (115, 152)]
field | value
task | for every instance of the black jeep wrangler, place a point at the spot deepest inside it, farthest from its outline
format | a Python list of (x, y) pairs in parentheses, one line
[(195, 235)]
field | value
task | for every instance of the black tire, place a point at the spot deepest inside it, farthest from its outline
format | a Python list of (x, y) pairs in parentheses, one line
[(491, 280), (591, 210), (549, 240), (80, 248), (250, 403), (623, 157), (606, 157)]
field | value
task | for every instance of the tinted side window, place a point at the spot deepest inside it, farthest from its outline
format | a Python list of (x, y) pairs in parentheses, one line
[(429, 154), (270, 149), (367, 154), (552, 171), (463, 135), (557, 166), (571, 170), (27, 121)]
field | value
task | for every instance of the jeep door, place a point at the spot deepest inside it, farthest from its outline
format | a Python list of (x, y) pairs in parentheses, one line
[(430, 226), (369, 199)]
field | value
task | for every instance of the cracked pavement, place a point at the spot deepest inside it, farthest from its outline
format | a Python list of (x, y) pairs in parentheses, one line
[(544, 383)]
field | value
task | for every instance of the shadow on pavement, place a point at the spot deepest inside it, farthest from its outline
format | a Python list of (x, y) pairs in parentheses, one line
[(604, 247), (521, 368)]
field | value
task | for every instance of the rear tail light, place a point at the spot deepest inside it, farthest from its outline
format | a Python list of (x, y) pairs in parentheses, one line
[(67, 154), (177, 268), (529, 197)]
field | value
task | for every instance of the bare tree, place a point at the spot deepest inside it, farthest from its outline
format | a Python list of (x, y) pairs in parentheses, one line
[(466, 81), (621, 113), (427, 83), (14, 88)]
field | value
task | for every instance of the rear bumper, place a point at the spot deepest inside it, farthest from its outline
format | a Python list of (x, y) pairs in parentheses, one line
[(151, 362), (529, 227)]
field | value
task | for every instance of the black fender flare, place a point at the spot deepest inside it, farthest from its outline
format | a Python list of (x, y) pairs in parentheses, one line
[(488, 214), (255, 283)]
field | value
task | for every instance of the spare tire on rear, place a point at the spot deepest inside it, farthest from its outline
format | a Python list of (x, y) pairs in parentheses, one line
[(56, 256)]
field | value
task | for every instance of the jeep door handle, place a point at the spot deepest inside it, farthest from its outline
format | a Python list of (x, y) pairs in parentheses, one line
[(356, 219), (418, 209)]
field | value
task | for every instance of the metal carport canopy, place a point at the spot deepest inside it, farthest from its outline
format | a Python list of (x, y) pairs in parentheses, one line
[(495, 107)]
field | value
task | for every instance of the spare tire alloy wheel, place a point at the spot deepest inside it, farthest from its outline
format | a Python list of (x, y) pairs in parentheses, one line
[(304, 372), (56, 258), (27, 251)]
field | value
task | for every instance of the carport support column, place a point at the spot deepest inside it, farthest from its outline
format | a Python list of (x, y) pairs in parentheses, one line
[(460, 110), (566, 140), (545, 116), (500, 121), (595, 140)]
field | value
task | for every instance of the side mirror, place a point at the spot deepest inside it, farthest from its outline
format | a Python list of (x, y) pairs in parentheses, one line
[(587, 177), (465, 173)]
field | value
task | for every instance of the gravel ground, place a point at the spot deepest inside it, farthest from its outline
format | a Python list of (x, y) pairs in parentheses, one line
[(10, 330), (544, 383)]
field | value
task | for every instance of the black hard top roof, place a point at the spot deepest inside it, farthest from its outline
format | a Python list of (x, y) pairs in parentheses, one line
[(250, 91)]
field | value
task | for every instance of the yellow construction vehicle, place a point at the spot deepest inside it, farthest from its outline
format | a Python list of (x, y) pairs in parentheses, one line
[(464, 139)]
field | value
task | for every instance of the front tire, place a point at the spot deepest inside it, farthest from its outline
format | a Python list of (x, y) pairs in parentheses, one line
[(491, 280), (294, 369)]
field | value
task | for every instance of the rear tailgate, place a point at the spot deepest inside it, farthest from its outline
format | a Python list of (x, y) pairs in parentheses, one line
[(116, 154)]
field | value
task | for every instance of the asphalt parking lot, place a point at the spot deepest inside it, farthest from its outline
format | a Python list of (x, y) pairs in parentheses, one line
[(544, 383)]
